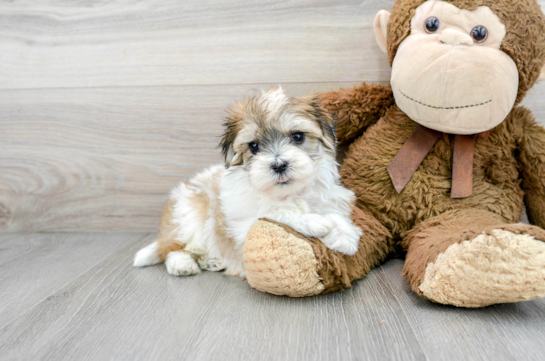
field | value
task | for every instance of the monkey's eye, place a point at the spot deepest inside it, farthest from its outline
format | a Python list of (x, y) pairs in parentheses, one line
[(298, 137), (479, 34), (432, 25), (254, 147)]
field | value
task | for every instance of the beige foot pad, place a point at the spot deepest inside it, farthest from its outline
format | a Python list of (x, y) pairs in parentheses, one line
[(499, 267), (279, 262)]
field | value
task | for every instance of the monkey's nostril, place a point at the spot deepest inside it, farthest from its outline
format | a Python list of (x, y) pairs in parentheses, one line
[(279, 167)]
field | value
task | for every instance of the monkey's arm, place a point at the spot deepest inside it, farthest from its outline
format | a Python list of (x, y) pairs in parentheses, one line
[(532, 159), (357, 108)]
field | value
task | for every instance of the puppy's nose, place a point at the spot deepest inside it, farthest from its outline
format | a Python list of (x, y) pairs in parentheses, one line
[(279, 167)]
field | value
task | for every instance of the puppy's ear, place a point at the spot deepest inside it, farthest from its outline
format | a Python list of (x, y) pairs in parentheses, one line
[(329, 127), (227, 144), (327, 123)]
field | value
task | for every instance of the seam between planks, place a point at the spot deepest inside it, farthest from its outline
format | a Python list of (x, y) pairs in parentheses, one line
[(405, 320), (199, 85)]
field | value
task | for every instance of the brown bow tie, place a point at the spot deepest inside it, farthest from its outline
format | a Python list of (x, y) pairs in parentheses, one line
[(417, 147)]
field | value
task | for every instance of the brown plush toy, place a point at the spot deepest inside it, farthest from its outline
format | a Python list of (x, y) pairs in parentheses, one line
[(442, 162)]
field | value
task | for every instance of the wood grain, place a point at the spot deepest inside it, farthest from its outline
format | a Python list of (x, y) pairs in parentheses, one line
[(34, 266), (89, 43), (113, 311), (146, 42)]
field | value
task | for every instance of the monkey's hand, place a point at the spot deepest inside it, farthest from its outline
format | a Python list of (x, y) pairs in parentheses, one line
[(357, 108)]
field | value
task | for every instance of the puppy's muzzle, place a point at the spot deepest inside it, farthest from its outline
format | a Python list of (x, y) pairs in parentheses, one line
[(280, 167)]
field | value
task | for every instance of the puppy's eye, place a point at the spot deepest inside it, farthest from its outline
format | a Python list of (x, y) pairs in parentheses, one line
[(254, 147), (298, 137), (432, 25), (479, 34)]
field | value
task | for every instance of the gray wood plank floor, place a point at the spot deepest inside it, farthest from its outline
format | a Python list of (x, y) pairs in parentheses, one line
[(76, 297)]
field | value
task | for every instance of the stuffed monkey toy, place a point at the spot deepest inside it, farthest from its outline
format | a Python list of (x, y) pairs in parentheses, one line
[(442, 162)]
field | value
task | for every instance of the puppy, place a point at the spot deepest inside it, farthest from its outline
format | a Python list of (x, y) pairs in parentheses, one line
[(279, 164)]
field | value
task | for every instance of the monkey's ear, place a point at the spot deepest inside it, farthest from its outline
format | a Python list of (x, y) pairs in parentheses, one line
[(542, 75), (380, 24)]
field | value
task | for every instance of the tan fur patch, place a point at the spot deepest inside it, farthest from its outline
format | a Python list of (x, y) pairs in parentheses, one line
[(166, 241), (201, 204), (225, 243)]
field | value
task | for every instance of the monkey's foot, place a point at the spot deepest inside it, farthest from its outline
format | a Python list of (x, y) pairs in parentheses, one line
[(498, 266), (280, 262)]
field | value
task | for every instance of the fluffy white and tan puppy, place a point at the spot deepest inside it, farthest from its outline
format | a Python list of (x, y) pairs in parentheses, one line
[(279, 164)]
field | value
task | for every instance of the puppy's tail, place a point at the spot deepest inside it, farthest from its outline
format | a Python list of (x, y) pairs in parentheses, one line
[(147, 256)]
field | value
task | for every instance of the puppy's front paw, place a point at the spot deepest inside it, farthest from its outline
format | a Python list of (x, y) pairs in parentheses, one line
[(179, 263), (211, 264), (342, 242), (315, 225)]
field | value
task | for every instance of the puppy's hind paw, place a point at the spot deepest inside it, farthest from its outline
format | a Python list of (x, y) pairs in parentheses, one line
[(343, 243), (211, 264), (180, 263)]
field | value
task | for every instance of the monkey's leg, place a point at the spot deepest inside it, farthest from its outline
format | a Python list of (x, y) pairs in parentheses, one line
[(281, 261), (471, 258)]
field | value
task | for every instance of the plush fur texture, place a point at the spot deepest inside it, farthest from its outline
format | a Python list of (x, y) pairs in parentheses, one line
[(438, 234), (271, 236), (500, 266), (278, 260), (357, 110), (279, 163), (419, 220)]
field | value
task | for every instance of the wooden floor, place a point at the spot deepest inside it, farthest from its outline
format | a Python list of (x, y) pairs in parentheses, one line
[(104, 107), (76, 297)]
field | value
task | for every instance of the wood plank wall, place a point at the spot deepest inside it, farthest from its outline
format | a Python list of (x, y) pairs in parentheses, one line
[(106, 105)]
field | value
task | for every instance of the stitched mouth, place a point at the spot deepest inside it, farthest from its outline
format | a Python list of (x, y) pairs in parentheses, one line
[(445, 108)]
